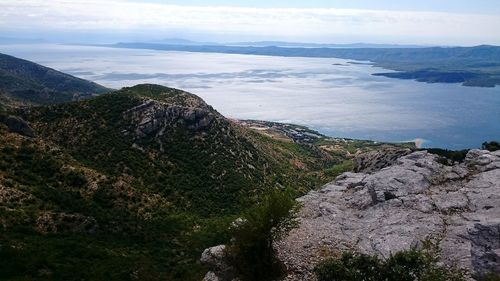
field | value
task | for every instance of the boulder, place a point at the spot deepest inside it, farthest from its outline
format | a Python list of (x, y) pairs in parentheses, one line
[(215, 258)]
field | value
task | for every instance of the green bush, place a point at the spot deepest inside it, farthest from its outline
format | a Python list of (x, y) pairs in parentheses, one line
[(410, 265), (336, 170), (251, 250), (448, 156), (349, 267), (491, 146)]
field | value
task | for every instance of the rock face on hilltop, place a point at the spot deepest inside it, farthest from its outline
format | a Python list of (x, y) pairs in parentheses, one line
[(154, 117), (398, 207), (168, 111)]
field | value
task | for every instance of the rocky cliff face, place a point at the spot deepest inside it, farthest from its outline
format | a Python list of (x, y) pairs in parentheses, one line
[(398, 207), (155, 117)]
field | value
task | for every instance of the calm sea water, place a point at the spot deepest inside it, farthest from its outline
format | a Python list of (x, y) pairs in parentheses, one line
[(331, 95)]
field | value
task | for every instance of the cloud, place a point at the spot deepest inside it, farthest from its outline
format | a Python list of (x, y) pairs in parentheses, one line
[(319, 23)]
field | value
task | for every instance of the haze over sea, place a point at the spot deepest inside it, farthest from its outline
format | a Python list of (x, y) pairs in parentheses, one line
[(333, 96)]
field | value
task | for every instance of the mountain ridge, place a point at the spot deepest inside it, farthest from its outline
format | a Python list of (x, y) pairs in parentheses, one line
[(25, 81)]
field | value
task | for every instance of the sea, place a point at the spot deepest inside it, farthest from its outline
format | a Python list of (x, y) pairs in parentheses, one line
[(337, 97)]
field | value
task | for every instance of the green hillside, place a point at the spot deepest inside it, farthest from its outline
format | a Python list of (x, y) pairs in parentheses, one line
[(133, 185)]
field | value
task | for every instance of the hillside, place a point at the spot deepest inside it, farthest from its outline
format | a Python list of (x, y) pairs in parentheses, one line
[(28, 82), (133, 185), (173, 141)]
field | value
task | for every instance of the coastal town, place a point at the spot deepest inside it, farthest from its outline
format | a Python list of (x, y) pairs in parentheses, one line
[(295, 133)]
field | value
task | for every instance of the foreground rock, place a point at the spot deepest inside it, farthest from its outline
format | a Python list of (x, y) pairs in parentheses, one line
[(215, 258), (399, 206)]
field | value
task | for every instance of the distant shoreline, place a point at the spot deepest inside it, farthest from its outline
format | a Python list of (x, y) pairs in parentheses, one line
[(479, 68)]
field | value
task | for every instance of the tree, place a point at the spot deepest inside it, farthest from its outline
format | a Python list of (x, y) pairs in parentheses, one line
[(491, 146), (251, 250)]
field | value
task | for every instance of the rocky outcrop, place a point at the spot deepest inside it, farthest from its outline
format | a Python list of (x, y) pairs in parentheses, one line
[(399, 206), (153, 117)]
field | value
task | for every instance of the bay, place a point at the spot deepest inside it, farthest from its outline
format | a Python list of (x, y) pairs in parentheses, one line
[(334, 96)]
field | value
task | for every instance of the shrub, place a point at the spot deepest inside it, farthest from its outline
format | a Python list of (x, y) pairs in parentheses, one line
[(349, 267), (251, 250), (491, 146), (409, 265), (447, 157), (336, 170)]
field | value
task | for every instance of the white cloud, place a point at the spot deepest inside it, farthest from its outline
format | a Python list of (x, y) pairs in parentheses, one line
[(273, 23)]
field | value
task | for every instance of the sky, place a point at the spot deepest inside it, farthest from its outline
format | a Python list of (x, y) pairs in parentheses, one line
[(425, 22)]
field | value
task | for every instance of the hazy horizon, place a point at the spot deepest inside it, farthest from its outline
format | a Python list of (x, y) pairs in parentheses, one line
[(181, 41), (448, 23)]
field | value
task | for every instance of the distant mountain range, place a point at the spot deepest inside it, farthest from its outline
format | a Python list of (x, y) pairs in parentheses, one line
[(319, 45), (180, 41), (187, 42)]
